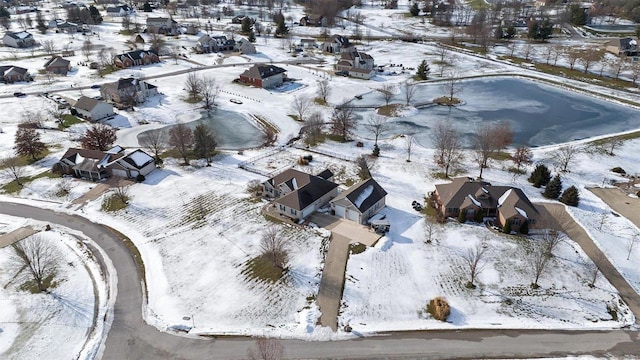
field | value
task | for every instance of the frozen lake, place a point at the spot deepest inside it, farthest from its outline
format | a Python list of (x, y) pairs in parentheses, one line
[(232, 130), (539, 114)]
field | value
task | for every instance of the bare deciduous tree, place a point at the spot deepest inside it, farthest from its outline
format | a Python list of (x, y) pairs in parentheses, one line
[(474, 262), (611, 144), (312, 129), (343, 122), (446, 140), (324, 89), (65, 185), (39, 257), (409, 91), (522, 155), (538, 260), (631, 243), (452, 85), (565, 156), (274, 246), (301, 105), (431, 229), (488, 140), (155, 141), (377, 124), (550, 240), (266, 349), (181, 138), (387, 90), (445, 58), (87, 48), (526, 51), (210, 91), (14, 167), (572, 57), (121, 192), (409, 141), (193, 85), (49, 47)]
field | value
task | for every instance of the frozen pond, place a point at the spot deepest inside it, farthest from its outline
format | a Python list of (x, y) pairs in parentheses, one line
[(232, 130), (539, 114)]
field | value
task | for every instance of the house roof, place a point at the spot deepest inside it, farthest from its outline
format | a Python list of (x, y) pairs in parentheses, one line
[(363, 195), (6, 69), (287, 176), (628, 44), (138, 159), (57, 61), (88, 160), (21, 35), (307, 194), (325, 174), (262, 71), (463, 192), (86, 103)]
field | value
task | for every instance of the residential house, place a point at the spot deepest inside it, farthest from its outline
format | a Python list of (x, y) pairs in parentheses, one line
[(244, 46), (505, 203), (134, 164), (88, 164), (299, 194), (264, 76), (57, 65), (336, 44), (127, 91), (136, 58), (313, 20), (120, 10), (11, 74), (191, 29), (356, 63), (98, 165), (624, 46), (92, 109), (162, 25), (21, 39), (360, 201), (240, 18), (208, 44), (308, 43), (64, 26)]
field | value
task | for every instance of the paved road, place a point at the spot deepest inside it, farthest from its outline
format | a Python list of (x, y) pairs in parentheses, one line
[(131, 338), (580, 236)]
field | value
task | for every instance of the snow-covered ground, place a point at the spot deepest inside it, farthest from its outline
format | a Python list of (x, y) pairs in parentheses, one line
[(66, 322), (197, 229)]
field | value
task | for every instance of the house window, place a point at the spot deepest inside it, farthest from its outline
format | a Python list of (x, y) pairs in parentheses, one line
[(452, 210), (293, 212), (532, 221), (515, 221), (282, 208)]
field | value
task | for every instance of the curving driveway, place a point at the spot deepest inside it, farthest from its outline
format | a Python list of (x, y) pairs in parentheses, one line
[(131, 338)]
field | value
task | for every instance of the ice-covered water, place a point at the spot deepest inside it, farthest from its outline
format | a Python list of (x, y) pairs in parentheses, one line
[(539, 114)]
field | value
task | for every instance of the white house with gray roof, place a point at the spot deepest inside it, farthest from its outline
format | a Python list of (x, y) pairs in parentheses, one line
[(92, 109), (21, 39), (360, 201)]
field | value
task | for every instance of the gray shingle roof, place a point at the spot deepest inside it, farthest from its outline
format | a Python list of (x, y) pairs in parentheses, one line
[(262, 71), (353, 194), (307, 194)]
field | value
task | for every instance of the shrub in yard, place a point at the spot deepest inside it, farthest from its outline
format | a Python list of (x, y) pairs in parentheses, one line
[(439, 308), (303, 161), (524, 228), (507, 227), (140, 178), (571, 196), (462, 217), (554, 188), (619, 170), (479, 216), (540, 176)]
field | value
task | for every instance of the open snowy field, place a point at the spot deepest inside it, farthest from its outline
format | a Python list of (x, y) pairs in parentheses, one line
[(70, 315)]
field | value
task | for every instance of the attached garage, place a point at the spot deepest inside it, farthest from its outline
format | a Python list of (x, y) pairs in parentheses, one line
[(360, 201), (352, 215), (119, 173), (339, 210)]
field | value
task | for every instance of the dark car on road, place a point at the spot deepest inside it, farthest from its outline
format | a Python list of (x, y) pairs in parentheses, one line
[(19, 94)]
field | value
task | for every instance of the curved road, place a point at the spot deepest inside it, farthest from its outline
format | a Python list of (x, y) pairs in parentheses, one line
[(131, 338)]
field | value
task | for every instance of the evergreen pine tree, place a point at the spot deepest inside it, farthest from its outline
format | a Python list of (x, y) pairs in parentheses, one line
[(414, 10), (281, 27), (423, 70), (95, 15), (540, 176), (252, 37), (147, 7), (571, 196), (40, 24), (554, 188), (376, 150), (524, 228), (479, 216), (507, 227), (247, 25)]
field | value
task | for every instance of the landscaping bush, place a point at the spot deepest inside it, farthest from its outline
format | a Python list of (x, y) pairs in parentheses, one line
[(619, 170), (571, 196), (462, 217), (479, 216), (439, 308), (524, 228), (554, 188), (376, 151), (540, 176), (303, 161), (140, 178), (507, 227)]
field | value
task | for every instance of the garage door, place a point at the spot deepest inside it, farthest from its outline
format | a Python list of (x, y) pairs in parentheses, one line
[(352, 215), (340, 211), (120, 173)]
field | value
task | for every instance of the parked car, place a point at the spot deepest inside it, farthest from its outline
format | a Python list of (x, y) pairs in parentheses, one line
[(96, 86), (342, 73), (235, 101), (19, 94)]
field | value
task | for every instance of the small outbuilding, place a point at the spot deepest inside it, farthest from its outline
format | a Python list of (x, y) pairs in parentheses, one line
[(92, 109)]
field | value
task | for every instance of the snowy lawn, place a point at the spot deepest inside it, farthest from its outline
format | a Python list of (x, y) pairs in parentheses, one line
[(31, 322)]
